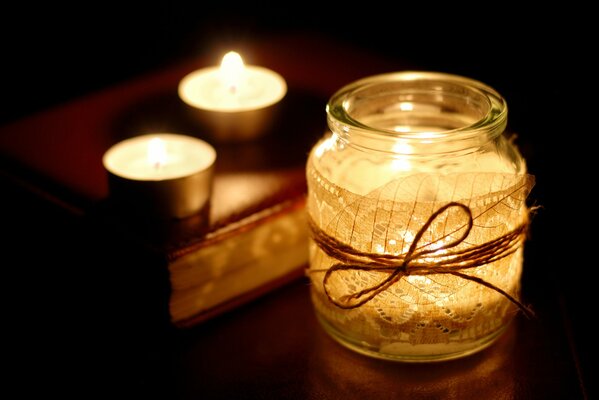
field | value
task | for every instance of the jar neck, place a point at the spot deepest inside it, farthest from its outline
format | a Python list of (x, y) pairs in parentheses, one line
[(417, 113)]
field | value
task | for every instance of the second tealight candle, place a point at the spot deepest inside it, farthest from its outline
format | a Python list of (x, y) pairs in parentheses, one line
[(235, 102)]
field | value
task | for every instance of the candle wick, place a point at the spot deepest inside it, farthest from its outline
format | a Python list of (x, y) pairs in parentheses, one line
[(157, 165), (232, 89)]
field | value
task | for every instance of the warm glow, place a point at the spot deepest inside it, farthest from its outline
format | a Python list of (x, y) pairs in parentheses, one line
[(232, 71), (325, 145), (402, 147), (401, 163), (406, 106), (402, 129), (156, 152), (232, 87), (418, 280)]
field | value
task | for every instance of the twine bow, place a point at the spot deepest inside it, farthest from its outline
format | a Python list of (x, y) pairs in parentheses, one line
[(419, 259)]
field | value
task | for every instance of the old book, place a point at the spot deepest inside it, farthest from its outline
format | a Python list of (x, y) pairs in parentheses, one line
[(251, 239), (253, 236), (254, 240)]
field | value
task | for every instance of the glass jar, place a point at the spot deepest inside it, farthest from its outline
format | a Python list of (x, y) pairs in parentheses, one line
[(416, 201)]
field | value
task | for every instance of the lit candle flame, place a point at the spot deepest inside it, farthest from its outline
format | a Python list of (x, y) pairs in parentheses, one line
[(406, 106), (157, 152), (232, 71), (401, 163)]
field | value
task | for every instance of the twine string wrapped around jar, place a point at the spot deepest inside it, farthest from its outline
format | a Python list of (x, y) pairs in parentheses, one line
[(420, 259)]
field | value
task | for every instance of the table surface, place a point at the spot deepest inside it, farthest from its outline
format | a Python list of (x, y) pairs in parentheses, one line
[(76, 331)]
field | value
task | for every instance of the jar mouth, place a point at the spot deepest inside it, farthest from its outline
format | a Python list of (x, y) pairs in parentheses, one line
[(418, 105)]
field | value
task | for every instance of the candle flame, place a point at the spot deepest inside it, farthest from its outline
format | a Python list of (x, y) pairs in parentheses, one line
[(157, 152), (232, 71), (406, 106), (401, 163)]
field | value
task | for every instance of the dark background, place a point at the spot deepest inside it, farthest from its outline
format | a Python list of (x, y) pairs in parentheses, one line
[(52, 54)]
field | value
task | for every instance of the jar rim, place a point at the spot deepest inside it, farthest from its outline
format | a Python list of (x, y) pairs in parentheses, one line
[(492, 123)]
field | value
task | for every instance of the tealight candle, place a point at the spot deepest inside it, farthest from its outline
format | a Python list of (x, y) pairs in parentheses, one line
[(235, 101), (164, 174)]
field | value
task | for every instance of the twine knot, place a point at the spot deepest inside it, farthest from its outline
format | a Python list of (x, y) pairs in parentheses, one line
[(420, 259)]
